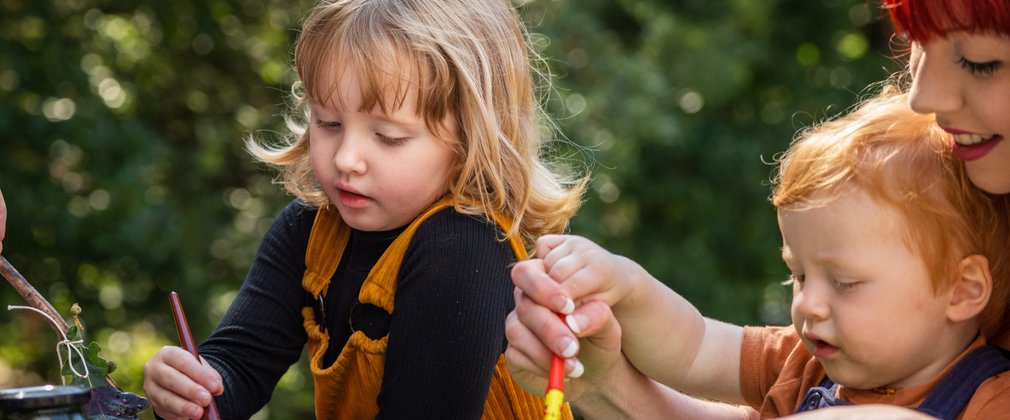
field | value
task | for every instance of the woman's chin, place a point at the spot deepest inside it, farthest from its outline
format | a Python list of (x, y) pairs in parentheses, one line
[(990, 177)]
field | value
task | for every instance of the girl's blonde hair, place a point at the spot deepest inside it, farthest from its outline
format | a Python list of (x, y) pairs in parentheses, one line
[(467, 58), (904, 160)]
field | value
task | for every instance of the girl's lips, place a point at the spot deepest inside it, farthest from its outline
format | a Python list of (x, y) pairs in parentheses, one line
[(352, 199), (975, 151)]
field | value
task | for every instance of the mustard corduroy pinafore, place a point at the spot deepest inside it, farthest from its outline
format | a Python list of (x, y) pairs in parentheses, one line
[(348, 388)]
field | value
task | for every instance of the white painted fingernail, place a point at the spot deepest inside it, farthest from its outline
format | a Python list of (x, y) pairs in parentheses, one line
[(578, 370), (567, 306), (573, 324), (570, 349)]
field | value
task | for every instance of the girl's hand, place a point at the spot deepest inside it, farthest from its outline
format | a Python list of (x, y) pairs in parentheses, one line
[(178, 386)]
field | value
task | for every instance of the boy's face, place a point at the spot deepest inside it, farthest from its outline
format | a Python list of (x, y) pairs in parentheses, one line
[(381, 171), (862, 300)]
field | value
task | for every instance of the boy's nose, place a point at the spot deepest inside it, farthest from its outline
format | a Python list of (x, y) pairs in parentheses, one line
[(811, 304)]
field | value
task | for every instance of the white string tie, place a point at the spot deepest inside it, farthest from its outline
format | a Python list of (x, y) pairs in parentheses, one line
[(70, 345)]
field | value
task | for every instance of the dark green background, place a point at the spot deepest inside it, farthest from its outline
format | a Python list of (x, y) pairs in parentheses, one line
[(122, 162)]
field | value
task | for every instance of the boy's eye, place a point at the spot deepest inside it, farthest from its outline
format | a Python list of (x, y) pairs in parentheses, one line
[(980, 69), (844, 286)]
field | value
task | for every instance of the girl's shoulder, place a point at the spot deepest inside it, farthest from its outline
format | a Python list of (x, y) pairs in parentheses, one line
[(294, 221), (456, 237), (298, 211), (449, 224), (452, 251)]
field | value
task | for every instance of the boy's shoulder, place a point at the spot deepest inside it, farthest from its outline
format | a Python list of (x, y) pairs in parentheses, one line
[(991, 400), (992, 397)]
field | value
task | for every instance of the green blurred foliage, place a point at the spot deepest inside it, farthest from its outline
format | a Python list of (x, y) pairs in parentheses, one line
[(122, 161)]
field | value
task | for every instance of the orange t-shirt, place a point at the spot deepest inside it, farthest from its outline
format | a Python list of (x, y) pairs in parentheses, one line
[(776, 370)]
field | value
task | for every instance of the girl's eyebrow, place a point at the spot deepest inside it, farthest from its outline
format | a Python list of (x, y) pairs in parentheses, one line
[(389, 119)]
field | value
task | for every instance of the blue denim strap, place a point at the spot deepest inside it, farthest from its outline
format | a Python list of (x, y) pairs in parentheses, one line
[(955, 390)]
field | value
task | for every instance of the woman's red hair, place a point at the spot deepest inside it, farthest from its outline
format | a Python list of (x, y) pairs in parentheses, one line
[(921, 20)]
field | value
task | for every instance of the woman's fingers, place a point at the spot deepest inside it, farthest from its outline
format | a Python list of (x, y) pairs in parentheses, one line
[(525, 351), (545, 327), (530, 278)]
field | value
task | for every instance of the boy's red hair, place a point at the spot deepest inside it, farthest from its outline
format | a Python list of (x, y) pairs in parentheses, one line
[(904, 160)]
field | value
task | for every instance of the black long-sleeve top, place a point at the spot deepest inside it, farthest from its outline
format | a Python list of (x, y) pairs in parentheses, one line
[(445, 334)]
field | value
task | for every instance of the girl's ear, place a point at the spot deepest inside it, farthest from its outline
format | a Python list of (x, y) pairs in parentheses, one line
[(970, 292)]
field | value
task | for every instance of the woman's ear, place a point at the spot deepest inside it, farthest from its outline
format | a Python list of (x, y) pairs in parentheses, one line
[(970, 291)]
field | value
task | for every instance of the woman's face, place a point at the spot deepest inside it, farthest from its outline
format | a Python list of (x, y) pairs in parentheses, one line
[(964, 78)]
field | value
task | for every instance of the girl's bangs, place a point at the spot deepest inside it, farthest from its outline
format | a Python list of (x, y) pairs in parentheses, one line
[(381, 75), (382, 62)]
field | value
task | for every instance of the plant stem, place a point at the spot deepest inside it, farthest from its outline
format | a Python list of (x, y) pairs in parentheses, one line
[(32, 296)]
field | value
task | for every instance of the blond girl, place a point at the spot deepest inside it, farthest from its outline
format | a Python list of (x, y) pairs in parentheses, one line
[(415, 160)]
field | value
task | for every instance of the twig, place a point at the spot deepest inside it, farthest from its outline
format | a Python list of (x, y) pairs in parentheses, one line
[(32, 296)]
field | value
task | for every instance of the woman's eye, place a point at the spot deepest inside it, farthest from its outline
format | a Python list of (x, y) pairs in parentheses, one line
[(327, 124), (980, 69)]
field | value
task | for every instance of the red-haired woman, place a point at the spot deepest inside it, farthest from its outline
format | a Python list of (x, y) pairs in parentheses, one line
[(959, 70)]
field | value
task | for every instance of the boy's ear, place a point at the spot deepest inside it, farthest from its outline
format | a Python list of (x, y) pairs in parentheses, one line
[(970, 292)]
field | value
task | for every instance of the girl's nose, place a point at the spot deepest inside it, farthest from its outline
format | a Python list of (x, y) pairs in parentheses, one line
[(935, 84), (350, 154)]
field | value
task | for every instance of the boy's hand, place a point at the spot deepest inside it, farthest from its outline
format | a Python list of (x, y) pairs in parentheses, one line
[(177, 386), (580, 269)]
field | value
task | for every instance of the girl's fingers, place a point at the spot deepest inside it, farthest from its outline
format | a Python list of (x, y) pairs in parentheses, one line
[(201, 373), (169, 405), (174, 381)]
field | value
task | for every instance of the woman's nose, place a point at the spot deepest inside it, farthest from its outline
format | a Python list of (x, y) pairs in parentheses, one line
[(936, 87)]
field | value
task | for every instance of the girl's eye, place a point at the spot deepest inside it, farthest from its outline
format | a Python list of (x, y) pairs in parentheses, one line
[(980, 69), (392, 141), (327, 124)]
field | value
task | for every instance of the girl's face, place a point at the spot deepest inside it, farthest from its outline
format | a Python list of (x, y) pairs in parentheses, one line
[(380, 170), (862, 299), (964, 78)]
